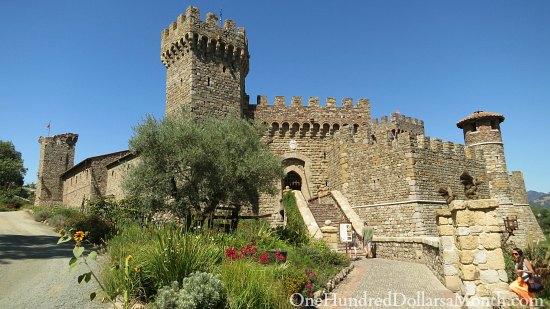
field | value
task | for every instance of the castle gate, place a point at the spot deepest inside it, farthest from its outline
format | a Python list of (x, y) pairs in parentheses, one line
[(293, 181), (297, 173)]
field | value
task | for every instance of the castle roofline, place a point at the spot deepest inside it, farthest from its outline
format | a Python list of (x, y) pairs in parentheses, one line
[(479, 115), (91, 159), (121, 160)]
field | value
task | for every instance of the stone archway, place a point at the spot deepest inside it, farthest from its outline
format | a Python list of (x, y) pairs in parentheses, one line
[(293, 181), (298, 166)]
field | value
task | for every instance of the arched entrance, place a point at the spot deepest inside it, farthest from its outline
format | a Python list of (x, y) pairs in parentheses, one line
[(293, 181)]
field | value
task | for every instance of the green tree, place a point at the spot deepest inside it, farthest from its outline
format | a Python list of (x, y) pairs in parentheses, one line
[(11, 166), (194, 167)]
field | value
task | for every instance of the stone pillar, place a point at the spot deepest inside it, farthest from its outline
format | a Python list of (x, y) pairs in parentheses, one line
[(470, 240), (330, 235)]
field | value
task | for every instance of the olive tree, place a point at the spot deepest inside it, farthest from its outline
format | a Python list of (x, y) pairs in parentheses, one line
[(194, 167)]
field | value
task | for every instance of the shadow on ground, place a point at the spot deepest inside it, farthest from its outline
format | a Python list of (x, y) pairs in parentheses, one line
[(21, 247)]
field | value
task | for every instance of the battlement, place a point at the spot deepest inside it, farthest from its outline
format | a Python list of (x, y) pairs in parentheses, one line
[(399, 118), (189, 33), (66, 138), (313, 113), (447, 148), (313, 102)]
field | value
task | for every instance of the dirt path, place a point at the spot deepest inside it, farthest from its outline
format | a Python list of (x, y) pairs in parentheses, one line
[(34, 271)]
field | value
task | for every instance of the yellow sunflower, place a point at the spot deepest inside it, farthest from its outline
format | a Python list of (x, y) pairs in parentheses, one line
[(79, 236)]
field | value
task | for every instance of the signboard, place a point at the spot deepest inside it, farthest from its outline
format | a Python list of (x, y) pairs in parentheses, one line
[(345, 232)]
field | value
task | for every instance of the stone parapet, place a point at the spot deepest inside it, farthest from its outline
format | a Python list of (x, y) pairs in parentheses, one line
[(424, 250), (470, 244)]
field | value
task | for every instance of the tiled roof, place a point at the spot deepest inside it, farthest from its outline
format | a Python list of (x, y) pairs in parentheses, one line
[(480, 115)]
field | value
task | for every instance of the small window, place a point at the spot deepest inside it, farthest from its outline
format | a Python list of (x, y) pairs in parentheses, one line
[(474, 127), (223, 69), (494, 125), (209, 81)]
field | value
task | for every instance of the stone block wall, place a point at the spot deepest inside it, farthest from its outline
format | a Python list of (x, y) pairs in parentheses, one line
[(470, 240), (424, 250), (517, 187), (367, 171), (439, 164), (393, 220), (88, 179), (77, 188), (116, 172)]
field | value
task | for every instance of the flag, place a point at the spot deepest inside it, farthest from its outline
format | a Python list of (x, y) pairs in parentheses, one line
[(48, 125)]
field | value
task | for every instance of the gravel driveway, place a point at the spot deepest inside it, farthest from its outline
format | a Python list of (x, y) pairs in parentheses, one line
[(34, 270)]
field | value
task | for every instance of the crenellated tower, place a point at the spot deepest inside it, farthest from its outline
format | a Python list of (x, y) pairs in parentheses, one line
[(56, 157), (206, 66), (482, 131)]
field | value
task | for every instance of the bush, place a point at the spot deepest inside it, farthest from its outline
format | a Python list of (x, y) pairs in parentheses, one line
[(199, 290), (42, 215), (97, 229), (172, 255), (58, 221), (252, 285), (295, 231), (119, 212)]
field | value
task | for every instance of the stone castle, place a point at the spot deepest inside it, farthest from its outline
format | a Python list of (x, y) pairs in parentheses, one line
[(347, 165)]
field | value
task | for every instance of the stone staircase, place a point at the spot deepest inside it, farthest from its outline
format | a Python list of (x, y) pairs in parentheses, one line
[(324, 209)]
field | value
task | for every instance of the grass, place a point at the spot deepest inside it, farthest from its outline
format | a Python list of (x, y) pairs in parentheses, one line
[(166, 254)]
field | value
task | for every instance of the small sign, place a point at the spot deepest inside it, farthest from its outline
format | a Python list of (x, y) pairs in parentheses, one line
[(345, 232)]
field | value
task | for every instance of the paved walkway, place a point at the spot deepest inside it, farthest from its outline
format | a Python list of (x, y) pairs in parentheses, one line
[(34, 270), (379, 283)]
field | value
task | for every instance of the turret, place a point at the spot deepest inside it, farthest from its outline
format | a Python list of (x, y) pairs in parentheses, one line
[(482, 131), (206, 66), (56, 157)]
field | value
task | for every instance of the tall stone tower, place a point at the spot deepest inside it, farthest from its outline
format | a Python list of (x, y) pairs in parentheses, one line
[(482, 131), (56, 157), (206, 66)]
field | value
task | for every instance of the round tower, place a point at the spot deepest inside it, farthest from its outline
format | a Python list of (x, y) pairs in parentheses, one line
[(482, 131), (206, 66), (56, 157)]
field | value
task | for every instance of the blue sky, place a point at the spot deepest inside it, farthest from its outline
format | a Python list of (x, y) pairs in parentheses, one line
[(93, 67)]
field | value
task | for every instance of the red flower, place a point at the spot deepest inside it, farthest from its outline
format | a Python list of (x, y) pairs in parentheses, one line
[(264, 258)]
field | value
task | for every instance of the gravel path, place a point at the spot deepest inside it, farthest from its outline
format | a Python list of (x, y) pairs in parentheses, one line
[(393, 284), (34, 270)]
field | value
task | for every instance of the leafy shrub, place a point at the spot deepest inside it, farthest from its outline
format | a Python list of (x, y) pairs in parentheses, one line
[(119, 212), (252, 285), (58, 221), (199, 290), (97, 229), (295, 282), (539, 255), (295, 231), (42, 215), (172, 255)]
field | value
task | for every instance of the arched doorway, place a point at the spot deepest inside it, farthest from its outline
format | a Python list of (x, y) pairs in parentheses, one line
[(293, 181)]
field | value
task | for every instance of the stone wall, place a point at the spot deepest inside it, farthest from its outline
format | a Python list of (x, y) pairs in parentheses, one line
[(424, 250), (439, 164), (77, 189), (401, 219), (470, 236), (56, 157), (206, 66), (517, 186), (88, 179), (116, 172)]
